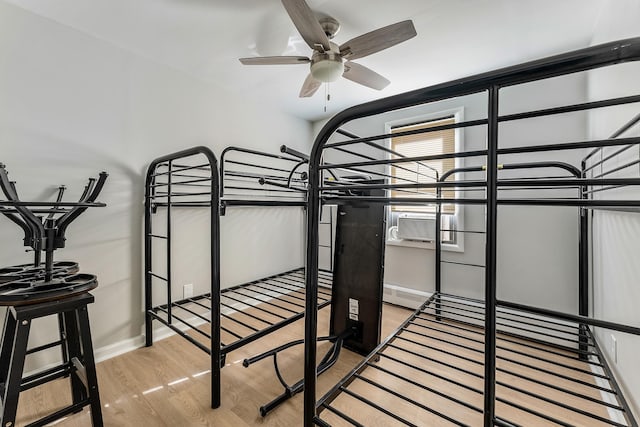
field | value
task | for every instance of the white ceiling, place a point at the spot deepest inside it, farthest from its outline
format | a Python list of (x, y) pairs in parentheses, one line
[(205, 38)]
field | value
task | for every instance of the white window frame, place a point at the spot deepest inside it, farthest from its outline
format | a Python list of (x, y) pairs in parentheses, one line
[(458, 115)]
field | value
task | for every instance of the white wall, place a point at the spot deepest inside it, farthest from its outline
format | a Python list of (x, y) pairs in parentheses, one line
[(72, 105), (616, 235), (537, 247)]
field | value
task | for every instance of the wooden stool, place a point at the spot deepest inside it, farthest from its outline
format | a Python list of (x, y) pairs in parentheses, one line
[(78, 362)]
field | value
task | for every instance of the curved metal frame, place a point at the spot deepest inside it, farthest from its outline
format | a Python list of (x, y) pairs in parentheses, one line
[(214, 200), (491, 83)]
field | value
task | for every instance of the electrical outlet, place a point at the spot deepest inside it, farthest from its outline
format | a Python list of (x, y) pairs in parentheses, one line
[(187, 290), (613, 349)]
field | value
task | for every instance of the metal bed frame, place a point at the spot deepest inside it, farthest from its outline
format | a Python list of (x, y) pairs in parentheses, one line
[(482, 340), (223, 320)]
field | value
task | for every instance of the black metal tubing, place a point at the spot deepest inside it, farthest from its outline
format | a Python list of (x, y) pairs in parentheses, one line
[(346, 380), (616, 134), (607, 158), (367, 140), (329, 359), (350, 187), (353, 165), (213, 203), (502, 383), (260, 302), (441, 321), (635, 330), (227, 151), (581, 60), (503, 358), (572, 108), (178, 331), (67, 218), (627, 412), (583, 291), (470, 123), (490, 260), (239, 202), (339, 413), (517, 336), (295, 153), (52, 204), (230, 347), (478, 305), (400, 200), (386, 150), (46, 233), (610, 142)]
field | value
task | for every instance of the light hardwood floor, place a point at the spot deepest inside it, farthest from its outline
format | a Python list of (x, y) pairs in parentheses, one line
[(168, 384)]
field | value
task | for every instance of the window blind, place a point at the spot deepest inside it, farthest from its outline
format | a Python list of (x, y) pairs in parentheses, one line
[(422, 144)]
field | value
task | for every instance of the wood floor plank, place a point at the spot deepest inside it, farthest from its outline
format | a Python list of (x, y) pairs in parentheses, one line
[(168, 384)]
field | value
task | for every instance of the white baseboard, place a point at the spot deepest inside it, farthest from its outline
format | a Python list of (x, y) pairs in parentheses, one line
[(116, 349), (405, 297), (130, 344)]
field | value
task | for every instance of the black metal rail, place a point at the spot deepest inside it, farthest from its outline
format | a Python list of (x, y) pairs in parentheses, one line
[(255, 178), (167, 173), (546, 350), (436, 355), (248, 311), (242, 313)]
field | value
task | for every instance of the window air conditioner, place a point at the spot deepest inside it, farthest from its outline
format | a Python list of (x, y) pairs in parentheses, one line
[(411, 227)]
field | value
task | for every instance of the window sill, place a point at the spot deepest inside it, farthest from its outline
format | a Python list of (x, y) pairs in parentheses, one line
[(417, 244)]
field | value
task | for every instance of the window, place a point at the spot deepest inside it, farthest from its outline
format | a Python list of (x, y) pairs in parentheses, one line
[(424, 144)]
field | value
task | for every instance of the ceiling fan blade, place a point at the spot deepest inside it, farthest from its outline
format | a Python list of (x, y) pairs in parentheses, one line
[(275, 60), (378, 40), (309, 87), (307, 24), (364, 76)]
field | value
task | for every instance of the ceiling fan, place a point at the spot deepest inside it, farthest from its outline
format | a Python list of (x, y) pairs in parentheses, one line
[(330, 61)]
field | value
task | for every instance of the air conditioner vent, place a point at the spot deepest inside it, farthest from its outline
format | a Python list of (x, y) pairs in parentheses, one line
[(422, 228)]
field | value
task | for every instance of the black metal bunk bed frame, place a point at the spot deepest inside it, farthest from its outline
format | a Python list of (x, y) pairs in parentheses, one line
[(184, 180), (498, 321)]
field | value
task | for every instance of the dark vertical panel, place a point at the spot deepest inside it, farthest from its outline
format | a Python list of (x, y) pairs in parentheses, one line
[(358, 274)]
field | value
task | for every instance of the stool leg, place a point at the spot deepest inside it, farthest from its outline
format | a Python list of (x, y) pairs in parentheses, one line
[(8, 337), (90, 366), (16, 366), (73, 349), (63, 337)]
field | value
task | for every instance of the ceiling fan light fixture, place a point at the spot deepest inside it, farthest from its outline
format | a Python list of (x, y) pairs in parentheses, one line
[(330, 61), (327, 70)]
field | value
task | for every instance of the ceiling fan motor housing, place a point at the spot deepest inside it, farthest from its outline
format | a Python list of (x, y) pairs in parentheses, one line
[(329, 25), (327, 66)]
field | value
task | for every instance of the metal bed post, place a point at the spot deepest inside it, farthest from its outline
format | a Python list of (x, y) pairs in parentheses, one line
[(216, 343), (148, 288), (438, 243), (490, 259), (168, 234), (583, 268), (311, 293)]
